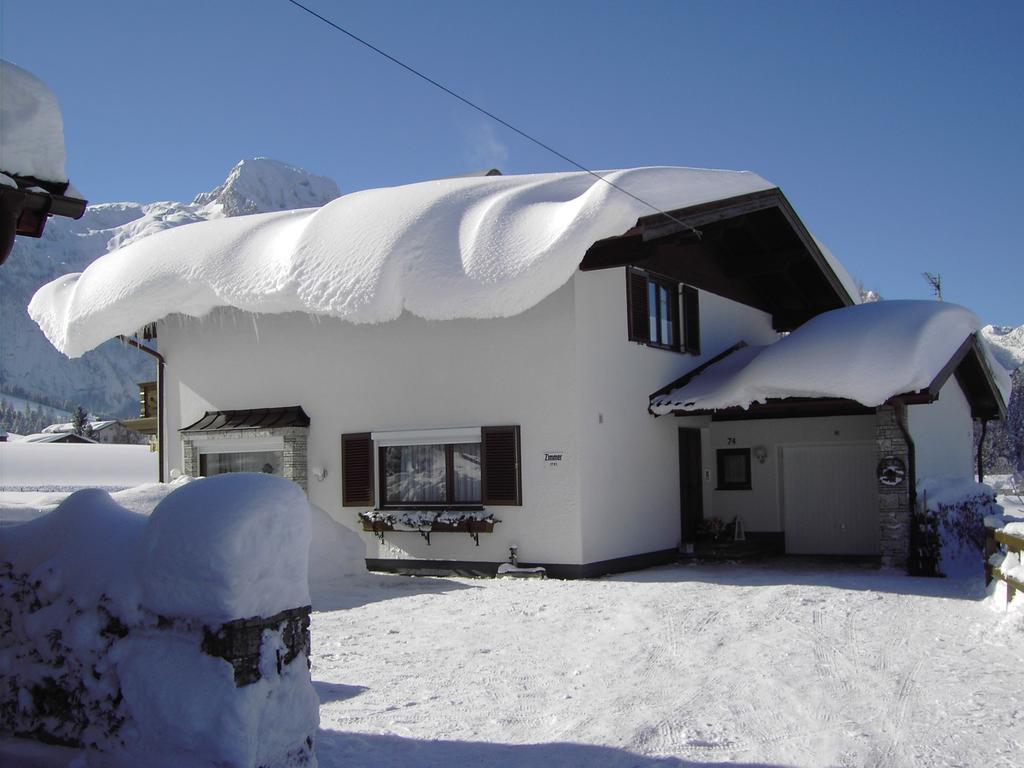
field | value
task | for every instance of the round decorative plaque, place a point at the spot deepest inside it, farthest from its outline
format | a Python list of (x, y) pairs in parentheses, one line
[(891, 471)]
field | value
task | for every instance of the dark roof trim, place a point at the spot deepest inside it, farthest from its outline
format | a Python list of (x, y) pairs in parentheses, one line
[(684, 220), (975, 378), (686, 378), (253, 418), (25, 209)]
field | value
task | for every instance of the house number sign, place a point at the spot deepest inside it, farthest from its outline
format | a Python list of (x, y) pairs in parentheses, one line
[(891, 471)]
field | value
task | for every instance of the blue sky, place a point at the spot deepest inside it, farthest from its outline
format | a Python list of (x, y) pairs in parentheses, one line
[(895, 129)]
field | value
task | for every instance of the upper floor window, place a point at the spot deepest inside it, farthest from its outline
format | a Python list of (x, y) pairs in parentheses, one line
[(662, 313)]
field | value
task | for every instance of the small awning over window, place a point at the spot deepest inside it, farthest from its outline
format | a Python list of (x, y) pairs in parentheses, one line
[(252, 418)]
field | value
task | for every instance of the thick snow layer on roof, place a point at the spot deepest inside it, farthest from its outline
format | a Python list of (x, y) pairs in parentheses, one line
[(867, 353), (469, 247), (31, 129)]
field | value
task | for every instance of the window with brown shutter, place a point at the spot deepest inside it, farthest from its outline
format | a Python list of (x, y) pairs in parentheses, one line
[(356, 470), (653, 312), (636, 301), (691, 320), (502, 481)]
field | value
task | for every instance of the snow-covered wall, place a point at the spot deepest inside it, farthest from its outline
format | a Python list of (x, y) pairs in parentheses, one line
[(629, 460), (408, 374), (943, 434), (119, 631)]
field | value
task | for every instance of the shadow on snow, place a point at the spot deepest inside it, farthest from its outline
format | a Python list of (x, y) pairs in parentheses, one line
[(328, 692), (821, 572), (366, 588), (336, 749)]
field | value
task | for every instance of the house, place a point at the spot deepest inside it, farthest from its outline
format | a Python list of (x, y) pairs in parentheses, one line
[(463, 369), (56, 437), (103, 431)]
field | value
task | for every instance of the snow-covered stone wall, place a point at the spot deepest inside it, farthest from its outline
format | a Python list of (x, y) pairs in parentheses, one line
[(177, 638)]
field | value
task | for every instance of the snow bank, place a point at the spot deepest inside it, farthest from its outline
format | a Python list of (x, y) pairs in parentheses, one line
[(32, 136), (228, 547), (68, 466), (469, 247), (867, 353), (110, 622)]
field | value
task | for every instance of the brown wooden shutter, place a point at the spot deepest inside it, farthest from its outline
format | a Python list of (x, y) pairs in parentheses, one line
[(357, 470), (502, 481), (636, 306), (691, 320)]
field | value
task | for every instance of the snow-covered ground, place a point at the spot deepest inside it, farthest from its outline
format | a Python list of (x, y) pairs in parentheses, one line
[(781, 663)]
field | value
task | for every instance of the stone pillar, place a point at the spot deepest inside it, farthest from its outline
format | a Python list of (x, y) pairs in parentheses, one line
[(893, 500)]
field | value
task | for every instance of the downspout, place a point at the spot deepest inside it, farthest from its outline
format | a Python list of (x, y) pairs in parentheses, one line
[(981, 451), (901, 421), (159, 400)]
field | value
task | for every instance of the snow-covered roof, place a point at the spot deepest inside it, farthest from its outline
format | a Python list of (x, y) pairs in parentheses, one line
[(866, 353), (466, 247), (52, 437), (70, 427), (31, 128)]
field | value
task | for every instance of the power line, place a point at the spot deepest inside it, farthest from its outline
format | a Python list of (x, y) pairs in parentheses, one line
[(491, 115)]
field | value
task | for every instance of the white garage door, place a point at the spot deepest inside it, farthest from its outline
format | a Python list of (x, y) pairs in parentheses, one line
[(830, 499)]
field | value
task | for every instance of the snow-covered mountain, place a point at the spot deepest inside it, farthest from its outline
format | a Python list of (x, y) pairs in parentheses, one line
[(1007, 344), (104, 380)]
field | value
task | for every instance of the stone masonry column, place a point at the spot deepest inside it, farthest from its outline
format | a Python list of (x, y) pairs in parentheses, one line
[(893, 500)]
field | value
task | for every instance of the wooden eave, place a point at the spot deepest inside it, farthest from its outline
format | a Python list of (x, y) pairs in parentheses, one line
[(751, 248)]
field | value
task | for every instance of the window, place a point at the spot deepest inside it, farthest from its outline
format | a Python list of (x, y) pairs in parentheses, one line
[(430, 475), (662, 313), (734, 469), (267, 462), (438, 468)]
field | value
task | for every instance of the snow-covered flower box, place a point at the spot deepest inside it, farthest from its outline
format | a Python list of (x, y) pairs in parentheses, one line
[(427, 521)]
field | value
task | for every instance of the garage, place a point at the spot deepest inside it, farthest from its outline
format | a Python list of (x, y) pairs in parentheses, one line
[(830, 499)]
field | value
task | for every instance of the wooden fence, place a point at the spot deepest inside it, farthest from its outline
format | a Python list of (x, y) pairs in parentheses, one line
[(996, 541)]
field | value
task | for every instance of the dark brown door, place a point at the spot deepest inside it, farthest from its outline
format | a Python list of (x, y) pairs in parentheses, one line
[(691, 498)]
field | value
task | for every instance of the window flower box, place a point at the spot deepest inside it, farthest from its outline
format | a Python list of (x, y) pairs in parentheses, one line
[(425, 522)]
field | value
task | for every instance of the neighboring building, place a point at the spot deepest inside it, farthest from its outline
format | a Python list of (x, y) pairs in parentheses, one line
[(493, 388), (103, 431), (55, 437), (33, 184)]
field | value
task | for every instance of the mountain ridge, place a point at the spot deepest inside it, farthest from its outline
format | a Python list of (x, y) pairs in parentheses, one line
[(104, 380)]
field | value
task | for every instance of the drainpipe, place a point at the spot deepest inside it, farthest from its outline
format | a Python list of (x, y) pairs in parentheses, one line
[(901, 421), (981, 451), (159, 400)]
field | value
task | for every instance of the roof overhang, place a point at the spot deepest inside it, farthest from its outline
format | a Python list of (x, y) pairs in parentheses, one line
[(752, 248), (25, 209), (968, 364)]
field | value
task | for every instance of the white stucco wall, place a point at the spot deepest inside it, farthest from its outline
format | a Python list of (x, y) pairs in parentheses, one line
[(564, 371), (943, 434), (408, 374), (629, 460), (760, 508)]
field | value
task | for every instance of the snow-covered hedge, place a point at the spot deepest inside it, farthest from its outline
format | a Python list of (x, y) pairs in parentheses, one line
[(113, 626), (948, 533)]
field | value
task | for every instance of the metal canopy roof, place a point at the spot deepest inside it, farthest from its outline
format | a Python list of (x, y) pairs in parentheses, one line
[(252, 418)]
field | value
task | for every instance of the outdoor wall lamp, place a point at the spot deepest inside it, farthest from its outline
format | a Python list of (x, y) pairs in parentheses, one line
[(761, 454)]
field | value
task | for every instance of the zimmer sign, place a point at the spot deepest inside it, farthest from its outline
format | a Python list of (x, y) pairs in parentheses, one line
[(553, 459)]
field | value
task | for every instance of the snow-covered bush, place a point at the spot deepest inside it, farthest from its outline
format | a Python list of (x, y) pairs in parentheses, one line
[(948, 527), (171, 639)]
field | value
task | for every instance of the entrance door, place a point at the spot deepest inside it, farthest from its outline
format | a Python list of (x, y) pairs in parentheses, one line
[(691, 493), (830, 499)]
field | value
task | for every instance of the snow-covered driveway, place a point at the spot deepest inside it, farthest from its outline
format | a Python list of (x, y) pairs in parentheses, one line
[(775, 664)]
